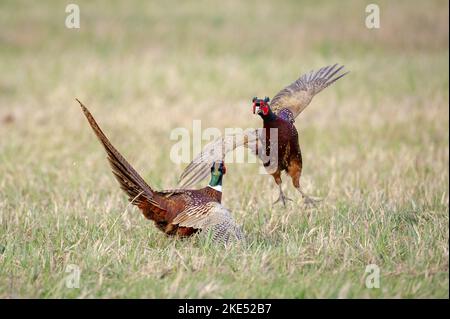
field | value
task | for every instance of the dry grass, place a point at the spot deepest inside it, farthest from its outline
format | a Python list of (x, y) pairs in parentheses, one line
[(375, 146)]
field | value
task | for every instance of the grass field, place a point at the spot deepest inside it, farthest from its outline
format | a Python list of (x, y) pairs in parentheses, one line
[(375, 147)]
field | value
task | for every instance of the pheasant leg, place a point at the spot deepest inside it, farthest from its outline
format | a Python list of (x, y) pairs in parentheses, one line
[(282, 197)]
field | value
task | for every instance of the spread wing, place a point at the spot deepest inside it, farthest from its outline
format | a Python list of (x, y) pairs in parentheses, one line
[(200, 167), (210, 217), (297, 96), (130, 181)]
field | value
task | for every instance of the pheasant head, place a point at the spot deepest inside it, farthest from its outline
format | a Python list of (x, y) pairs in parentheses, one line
[(261, 106), (218, 169)]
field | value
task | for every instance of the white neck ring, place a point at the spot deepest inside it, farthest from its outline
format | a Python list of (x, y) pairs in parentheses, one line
[(217, 187)]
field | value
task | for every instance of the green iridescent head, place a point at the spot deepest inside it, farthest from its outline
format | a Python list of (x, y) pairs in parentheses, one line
[(218, 169)]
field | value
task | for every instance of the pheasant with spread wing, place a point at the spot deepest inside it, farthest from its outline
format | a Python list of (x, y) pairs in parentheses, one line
[(277, 154), (178, 212)]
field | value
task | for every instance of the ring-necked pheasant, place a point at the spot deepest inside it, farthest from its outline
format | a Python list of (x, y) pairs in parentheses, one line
[(179, 212), (280, 114)]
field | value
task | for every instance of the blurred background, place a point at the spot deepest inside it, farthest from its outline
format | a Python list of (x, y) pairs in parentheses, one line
[(375, 144)]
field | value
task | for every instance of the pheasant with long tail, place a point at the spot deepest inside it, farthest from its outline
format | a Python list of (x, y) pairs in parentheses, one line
[(178, 212), (278, 116)]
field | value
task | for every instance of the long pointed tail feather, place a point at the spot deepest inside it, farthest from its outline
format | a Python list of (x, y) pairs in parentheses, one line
[(130, 181)]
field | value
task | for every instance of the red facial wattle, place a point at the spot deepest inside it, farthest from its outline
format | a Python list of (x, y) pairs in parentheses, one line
[(265, 109)]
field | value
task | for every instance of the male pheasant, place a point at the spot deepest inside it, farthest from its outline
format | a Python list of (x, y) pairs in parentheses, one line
[(178, 212), (284, 153)]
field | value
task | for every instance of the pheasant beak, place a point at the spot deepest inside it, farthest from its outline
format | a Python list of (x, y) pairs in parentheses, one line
[(256, 108)]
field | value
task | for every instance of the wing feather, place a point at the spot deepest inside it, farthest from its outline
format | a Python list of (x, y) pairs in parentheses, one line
[(200, 166), (297, 96), (210, 217)]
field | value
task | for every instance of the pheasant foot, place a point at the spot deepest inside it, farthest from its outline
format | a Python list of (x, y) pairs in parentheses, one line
[(282, 198)]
